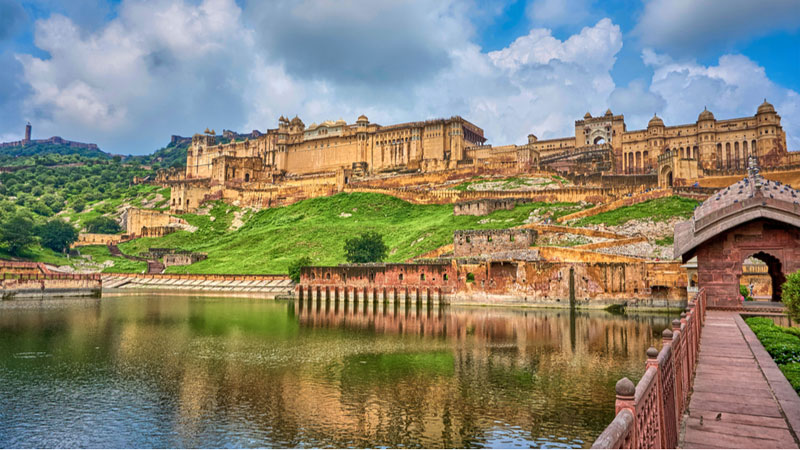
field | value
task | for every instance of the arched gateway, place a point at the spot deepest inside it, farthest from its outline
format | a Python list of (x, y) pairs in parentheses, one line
[(755, 218)]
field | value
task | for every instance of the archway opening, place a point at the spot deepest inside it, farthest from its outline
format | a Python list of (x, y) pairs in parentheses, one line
[(762, 277), (600, 140), (669, 179)]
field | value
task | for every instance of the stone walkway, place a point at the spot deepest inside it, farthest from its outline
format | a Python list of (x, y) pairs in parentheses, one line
[(737, 402)]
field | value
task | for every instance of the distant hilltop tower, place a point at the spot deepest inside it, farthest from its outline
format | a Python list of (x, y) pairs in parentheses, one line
[(28, 133)]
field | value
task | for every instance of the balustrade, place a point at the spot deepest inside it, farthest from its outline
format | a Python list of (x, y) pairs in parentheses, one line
[(649, 414)]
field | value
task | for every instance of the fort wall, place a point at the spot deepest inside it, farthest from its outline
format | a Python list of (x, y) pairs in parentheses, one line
[(475, 243)]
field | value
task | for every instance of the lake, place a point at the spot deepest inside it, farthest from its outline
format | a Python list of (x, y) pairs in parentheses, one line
[(187, 371)]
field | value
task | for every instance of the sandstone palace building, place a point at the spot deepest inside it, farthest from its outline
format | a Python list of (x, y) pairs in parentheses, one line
[(295, 161)]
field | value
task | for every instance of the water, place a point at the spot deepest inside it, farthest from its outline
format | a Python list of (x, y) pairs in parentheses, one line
[(143, 371)]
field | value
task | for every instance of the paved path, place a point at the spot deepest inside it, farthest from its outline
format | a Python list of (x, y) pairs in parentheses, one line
[(730, 382)]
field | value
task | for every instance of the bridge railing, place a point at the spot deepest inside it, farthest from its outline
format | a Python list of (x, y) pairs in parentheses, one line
[(648, 415)]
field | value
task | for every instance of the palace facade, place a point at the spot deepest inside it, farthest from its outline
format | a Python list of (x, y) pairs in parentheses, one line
[(322, 158)]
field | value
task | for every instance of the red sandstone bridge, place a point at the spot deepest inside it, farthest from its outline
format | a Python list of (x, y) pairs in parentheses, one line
[(713, 385)]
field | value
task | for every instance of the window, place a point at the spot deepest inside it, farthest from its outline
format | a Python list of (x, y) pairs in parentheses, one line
[(422, 277), (401, 277), (445, 277), (470, 277)]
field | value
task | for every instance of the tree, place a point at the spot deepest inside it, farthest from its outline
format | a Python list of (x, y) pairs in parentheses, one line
[(57, 235), (790, 294), (78, 205), (368, 247), (296, 265), (102, 224), (16, 234)]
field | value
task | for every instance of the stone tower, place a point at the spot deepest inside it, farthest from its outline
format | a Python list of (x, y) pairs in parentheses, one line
[(28, 132)]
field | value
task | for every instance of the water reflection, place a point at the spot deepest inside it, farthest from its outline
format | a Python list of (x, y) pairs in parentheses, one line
[(190, 372)]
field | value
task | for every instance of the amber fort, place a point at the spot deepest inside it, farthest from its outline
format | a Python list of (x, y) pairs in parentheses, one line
[(296, 161)]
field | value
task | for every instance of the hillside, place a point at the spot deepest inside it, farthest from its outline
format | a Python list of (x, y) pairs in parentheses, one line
[(270, 239), (17, 154)]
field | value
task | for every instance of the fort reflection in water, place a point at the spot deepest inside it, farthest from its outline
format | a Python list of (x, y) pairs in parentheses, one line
[(182, 371)]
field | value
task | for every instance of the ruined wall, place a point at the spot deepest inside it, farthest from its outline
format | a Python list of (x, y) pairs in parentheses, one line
[(484, 207), (401, 281), (475, 243), (45, 285), (99, 239), (593, 284), (183, 258), (137, 220)]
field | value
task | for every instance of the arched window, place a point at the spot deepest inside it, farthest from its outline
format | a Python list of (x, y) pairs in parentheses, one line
[(719, 155), (753, 147), (728, 155), (736, 153), (744, 151), (246, 177)]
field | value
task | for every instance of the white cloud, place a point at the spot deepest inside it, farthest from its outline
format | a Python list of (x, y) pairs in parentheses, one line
[(688, 25), (538, 84), (636, 102), (732, 88)]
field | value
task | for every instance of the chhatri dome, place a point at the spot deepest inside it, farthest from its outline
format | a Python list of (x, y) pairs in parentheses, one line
[(655, 121), (766, 107), (705, 115)]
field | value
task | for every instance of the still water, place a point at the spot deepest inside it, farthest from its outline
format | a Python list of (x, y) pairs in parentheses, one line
[(181, 371)]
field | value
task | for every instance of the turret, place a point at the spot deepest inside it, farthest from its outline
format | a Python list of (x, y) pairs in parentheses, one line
[(532, 138), (767, 122), (28, 132)]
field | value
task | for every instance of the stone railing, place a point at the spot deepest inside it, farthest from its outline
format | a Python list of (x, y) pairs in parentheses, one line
[(649, 414)]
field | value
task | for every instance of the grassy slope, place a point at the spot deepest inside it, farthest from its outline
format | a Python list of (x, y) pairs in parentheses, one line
[(656, 210), (100, 254), (272, 238)]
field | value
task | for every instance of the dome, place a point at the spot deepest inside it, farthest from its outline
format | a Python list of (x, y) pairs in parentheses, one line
[(341, 122), (655, 122), (297, 121), (766, 107), (608, 112), (705, 115), (362, 118), (587, 116)]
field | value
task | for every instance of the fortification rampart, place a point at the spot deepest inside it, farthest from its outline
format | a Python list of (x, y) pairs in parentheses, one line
[(50, 284), (99, 239), (616, 204)]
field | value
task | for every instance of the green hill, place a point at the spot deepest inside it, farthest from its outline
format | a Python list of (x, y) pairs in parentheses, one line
[(270, 239), (8, 154)]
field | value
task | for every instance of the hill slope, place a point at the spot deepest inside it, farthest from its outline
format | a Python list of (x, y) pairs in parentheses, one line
[(270, 239)]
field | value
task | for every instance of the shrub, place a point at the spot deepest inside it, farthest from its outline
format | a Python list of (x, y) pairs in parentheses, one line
[(57, 235), (102, 224), (16, 234), (782, 343), (368, 247), (296, 265), (791, 295)]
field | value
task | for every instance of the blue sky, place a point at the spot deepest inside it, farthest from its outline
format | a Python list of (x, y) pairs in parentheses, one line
[(127, 74)]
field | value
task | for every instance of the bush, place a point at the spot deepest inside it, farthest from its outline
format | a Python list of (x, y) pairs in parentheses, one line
[(296, 265), (368, 247), (16, 234), (102, 224), (57, 235), (792, 373), (782, 343), (791, 295)]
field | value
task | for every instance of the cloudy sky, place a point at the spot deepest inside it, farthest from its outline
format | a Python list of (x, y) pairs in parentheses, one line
[(128, 74)]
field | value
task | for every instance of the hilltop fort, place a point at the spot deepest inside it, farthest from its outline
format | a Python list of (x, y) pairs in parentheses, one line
[(56, 140), (294, 161)]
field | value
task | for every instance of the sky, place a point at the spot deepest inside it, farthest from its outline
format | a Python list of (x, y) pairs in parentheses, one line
[(128, 74)]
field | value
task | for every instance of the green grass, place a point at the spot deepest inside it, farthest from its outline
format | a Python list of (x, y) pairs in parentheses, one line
[(782, 343), (657, 210), (666, 240), (270, 239), (100, 254), (37, 253), (509, 183)]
